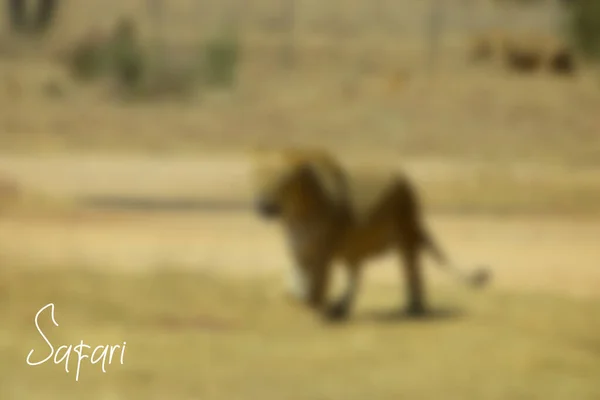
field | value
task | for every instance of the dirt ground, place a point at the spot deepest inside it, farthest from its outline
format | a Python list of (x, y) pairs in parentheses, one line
[(535, 253), (556, 253), (137, 224), (195, 291)]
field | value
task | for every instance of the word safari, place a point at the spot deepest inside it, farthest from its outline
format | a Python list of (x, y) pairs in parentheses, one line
[(103, 353)]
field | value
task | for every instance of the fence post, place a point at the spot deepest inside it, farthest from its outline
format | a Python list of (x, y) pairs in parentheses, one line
[(434, 32), (373, 49), (156, 10), (234, 14), (46, 11), (16, 15), (289, 23)]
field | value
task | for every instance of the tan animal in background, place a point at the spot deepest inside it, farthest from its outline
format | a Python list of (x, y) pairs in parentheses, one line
[(523, 52), (331, 214), (536, 51)]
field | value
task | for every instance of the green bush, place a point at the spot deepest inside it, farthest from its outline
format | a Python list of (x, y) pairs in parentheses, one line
[(127, 58), (46, 15), (521, 2), (138, 74), (37, 18), (87, 61), (221, 57), (120, 56), (584, 26)]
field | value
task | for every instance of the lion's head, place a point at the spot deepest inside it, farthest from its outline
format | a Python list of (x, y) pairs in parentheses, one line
[(296, 182)]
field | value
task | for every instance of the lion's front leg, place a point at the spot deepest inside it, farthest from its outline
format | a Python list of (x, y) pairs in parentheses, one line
[(341, 308), (319, 285), (301, 239), (312, 250), (297, 283), (308, 282)]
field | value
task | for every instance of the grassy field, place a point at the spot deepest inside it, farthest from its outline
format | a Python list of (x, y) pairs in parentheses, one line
[(197, 336), (376, 95), (464, 114), (195, 293), (224, 180)]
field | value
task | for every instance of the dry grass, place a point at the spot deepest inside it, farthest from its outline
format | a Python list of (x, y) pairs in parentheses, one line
[(194, 336), (19, 199), (343, 93), (468, 114), (58, 182), (494, 190)]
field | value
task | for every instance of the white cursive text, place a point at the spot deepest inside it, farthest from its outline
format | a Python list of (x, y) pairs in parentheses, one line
[(63, 353)]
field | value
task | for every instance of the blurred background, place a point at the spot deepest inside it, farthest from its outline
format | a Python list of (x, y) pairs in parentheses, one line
[(126, 130)]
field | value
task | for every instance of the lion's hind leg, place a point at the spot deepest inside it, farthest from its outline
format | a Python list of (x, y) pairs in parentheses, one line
[(410, 251)]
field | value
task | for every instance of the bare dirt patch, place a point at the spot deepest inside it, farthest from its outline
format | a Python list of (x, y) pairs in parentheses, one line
[(189, 335), (554, 250), (557, 254), (157, 269), (197, 295)]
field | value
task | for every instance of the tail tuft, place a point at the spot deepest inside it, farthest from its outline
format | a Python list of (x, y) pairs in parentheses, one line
[(478, 278)]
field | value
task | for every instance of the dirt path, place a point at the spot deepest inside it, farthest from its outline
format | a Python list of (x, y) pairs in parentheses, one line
[(225, 175), (526, 252), (533, 253)]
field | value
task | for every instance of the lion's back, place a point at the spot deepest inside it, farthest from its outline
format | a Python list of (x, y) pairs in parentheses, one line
[(373, 198)]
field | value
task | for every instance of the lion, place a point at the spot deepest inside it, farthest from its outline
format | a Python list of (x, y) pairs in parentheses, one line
[(330, 214)]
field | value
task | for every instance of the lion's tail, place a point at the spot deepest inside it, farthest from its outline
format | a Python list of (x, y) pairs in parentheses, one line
[(476, 278)]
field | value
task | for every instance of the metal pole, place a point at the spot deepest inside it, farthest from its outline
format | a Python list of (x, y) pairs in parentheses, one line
[(434, 33)]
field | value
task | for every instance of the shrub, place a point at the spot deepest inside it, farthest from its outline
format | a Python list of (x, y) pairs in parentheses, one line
[(584, 26), (221, 57), (16, 15), (520, 2), (46, 15), (127, 59), (21, 20), (87, 61), (122, 57)]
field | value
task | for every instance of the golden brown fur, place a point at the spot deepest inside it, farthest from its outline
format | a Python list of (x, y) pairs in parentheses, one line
[(333, 215)]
